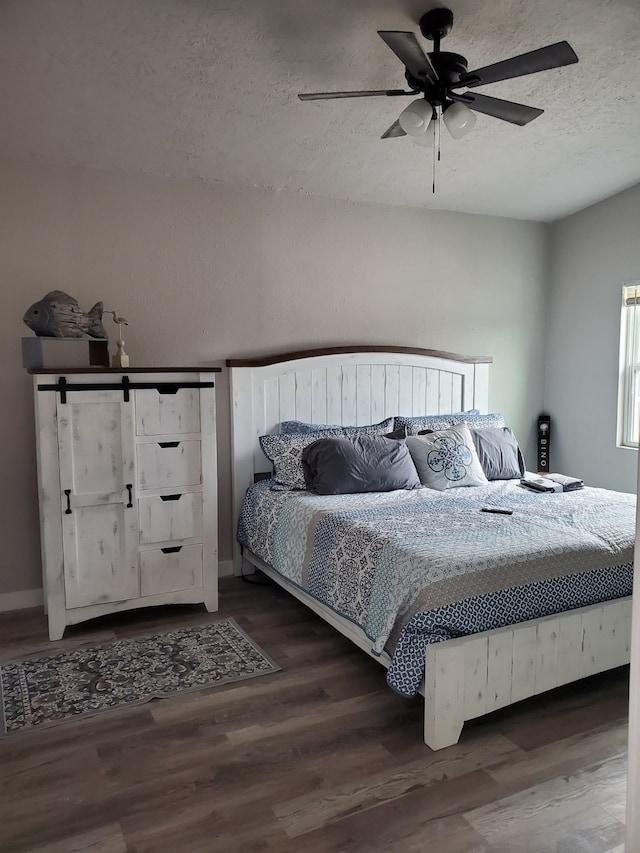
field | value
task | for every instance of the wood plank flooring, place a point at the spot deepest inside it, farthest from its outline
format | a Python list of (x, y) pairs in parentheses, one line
[(321, 757)]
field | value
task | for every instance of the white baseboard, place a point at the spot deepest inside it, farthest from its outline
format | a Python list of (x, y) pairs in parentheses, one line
[(20, 600), (34, 598)]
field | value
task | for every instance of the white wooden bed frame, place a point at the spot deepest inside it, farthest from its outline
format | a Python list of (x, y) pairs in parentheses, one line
[(466, 677)]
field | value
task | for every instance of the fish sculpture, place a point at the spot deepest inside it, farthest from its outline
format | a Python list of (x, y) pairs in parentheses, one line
[(58, 315)]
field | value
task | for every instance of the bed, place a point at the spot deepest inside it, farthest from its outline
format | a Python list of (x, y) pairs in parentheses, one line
[(484, 649)]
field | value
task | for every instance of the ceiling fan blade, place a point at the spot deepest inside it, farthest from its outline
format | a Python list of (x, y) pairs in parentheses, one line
[(393, 131), (498, 108), (551, 56), (406, 48), (374, 93)]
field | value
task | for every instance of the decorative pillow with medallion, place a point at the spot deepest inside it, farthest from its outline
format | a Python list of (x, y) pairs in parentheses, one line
[(447, 458)]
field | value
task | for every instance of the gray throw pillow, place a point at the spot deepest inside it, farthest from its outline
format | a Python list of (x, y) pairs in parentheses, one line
[(499, 453), (353, 465)]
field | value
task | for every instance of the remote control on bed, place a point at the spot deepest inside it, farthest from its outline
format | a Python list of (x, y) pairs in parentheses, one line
[(497, 509)]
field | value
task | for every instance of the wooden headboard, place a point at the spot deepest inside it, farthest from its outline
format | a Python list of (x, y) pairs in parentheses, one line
[(351, 386)]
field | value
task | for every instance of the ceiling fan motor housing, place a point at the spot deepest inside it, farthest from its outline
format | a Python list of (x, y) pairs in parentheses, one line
[(449, 67), (436, 24)]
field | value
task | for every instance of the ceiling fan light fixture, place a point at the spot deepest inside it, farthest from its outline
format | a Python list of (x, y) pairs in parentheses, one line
[(425, 140), (459, 119), (415, 118)]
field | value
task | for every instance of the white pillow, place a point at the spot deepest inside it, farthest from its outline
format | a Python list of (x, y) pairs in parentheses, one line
[(446, 458)]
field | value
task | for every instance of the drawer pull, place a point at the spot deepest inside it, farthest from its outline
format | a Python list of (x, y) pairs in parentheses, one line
[(168, 443), (129, 488), (173, 550), (167, 388), (170, 497), (68, 509)]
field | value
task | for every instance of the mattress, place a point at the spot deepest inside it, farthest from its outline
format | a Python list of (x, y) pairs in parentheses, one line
[(416, 567)]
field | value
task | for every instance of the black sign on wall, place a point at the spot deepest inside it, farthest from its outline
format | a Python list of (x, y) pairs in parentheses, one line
[(544, 434)]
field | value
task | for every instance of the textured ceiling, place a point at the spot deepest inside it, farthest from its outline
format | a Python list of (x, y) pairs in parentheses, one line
[(207, 88)]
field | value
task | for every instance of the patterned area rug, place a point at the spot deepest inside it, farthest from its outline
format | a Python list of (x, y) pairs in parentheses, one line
[(49, 690)]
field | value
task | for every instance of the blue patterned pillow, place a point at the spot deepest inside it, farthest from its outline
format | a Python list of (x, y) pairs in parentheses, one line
[(477, 421), (434, 422), (285, 451), (300, 428)]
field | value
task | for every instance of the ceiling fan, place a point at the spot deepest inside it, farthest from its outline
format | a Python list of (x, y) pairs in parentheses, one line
[(436, 77)]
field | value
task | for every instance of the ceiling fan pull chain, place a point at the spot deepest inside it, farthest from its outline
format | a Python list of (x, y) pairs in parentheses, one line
[(433, 190), (433, 151)]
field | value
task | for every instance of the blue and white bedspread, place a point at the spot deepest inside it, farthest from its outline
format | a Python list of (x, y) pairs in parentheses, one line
[(415, 567)]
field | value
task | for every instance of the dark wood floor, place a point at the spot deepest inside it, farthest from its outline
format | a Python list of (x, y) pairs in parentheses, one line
[(317, 758)]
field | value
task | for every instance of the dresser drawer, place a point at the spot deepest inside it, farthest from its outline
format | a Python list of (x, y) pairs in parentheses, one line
[(168, 518), (163, 414), (170, 569), (171, 463)]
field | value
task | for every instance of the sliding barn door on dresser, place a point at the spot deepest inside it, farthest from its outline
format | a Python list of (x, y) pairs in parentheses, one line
[(128, 491), (99, 524)]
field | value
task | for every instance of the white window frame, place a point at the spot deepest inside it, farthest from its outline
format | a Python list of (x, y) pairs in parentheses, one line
[(629, 381)]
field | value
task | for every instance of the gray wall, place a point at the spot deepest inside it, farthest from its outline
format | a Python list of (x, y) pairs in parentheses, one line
[(206, 271), (592, 254)]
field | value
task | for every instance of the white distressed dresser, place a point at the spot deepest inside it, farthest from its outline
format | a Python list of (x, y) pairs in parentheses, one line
[(127, 488)]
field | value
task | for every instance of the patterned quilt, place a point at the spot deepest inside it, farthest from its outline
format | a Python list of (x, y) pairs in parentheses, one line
[(416, 567)]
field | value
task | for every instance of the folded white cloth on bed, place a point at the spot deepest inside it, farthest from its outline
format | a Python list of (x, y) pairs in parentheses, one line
[(569, 484)]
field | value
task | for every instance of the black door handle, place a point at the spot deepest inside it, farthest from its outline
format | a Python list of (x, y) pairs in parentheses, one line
[(68, 509), (129, 488), (170, 497)]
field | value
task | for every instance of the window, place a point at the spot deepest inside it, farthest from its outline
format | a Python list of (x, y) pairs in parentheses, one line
[(629, 393)]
